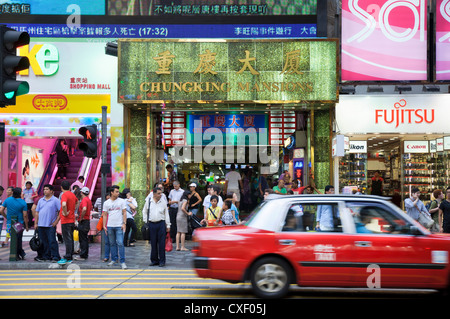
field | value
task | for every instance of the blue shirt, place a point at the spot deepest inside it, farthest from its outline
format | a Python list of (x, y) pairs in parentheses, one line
[(15, 207), (48, 210), (236, 212), (325, 217), (412, 210)]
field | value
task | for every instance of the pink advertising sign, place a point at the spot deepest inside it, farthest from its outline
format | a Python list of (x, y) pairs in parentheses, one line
[(443, 40), (384, 40)]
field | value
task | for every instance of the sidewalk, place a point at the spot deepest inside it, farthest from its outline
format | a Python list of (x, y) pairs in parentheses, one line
[(137, 257)]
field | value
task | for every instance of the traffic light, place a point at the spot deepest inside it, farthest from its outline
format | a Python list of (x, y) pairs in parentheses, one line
[(2, 132), (10, 40), (89, 145)]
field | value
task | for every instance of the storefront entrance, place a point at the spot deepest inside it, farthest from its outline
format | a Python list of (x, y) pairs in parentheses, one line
[(219, 98), (405, 142)]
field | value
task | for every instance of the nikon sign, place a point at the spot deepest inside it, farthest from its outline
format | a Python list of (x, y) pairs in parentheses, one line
[(278, 71)]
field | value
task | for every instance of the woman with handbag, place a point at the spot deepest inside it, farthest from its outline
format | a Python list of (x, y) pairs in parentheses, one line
[(416, 209), (182, 221)]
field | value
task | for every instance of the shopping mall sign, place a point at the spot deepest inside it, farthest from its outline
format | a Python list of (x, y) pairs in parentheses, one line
[(156, 71)]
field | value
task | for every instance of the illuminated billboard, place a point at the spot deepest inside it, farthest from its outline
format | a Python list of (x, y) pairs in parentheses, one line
[(443, 40), (384, 40)]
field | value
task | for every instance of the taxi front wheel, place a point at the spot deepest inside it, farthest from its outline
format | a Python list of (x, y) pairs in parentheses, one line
[(270, 277)]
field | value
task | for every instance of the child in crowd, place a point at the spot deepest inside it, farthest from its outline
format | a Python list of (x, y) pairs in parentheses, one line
[(228, 215)]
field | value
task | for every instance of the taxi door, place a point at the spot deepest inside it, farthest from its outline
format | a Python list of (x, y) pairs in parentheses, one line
[(321, 257), (387, 253)]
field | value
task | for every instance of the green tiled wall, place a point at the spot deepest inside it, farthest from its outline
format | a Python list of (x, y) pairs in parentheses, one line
[(322, 145), (138, 160)]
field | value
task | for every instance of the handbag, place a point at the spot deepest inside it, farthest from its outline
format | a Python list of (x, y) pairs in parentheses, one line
[(35, 242), (169, 245), (425, 219), (145, 231), (194, 221), (18, 227)]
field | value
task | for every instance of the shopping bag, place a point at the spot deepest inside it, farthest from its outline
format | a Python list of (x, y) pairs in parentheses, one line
[(169, 245), (100, 224)]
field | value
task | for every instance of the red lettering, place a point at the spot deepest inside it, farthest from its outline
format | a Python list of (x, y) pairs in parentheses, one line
[(377, 115), (432, 116)]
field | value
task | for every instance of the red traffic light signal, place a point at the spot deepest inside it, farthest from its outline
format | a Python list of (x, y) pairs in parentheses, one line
[(89, 144)]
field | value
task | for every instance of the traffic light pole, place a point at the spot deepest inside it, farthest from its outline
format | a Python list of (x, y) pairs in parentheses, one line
[(104, 169)]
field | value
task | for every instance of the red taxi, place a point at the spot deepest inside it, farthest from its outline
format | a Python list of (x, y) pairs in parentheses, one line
[(370, 244)]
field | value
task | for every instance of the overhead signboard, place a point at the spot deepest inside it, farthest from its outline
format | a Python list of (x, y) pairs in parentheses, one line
[(279, 71), (229, 127), (384, 40), (413, 114), (416, 146)]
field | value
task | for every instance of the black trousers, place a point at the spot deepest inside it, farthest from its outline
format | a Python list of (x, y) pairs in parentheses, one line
[(158, 242), (173, 222), (131, 225), (67, 234), (83, 231)]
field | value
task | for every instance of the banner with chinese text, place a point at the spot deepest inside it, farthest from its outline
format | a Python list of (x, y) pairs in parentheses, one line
[(228, 128), (283, 71)]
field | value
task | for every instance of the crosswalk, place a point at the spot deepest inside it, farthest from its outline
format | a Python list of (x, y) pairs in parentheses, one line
[(74, 282)]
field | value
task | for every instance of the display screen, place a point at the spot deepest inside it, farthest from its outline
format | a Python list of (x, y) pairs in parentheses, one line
[(58, 7), (212, 7), (442, 40), (384, 40), (169, 31)]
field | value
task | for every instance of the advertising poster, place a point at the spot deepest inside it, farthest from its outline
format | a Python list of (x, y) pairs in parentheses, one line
[(32, 165), (384, 40), (443, 40)]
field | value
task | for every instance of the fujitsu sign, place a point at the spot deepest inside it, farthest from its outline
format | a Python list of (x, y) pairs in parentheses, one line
[(401, 114), (412, 113)]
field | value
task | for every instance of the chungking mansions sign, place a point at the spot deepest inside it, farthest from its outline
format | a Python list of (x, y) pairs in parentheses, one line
[(153, 71)]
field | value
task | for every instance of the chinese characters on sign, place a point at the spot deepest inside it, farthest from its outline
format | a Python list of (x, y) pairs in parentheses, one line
[(227, 126), (214, 9), (14, 8), (207, 62)]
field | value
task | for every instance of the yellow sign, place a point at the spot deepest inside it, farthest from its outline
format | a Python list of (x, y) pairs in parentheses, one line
[(59, 104)]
